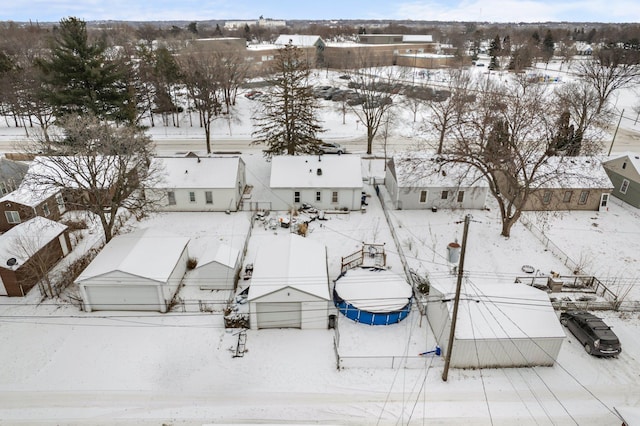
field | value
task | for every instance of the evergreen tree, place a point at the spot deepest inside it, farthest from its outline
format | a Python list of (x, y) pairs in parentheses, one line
[(287, 122), (218, 30), (494, 51), (80, 78), (548, 46)]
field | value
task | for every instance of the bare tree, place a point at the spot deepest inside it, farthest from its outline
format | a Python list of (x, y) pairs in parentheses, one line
[(376, 88), (611, 69), (505, 136), (581, 102), (100, 168), (200, 71), (447, 106)]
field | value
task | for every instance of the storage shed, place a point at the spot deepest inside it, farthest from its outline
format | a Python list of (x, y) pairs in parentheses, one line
[(139, 271), (498, 325), (28, 251), (290, 284), (327, 182), (217, 268)]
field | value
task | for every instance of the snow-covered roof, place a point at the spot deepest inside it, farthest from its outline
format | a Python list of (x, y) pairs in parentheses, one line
[(501, 311), (290, 261), (417, 38), (147, 253), (29, 194), (301, 171), (298, 40), (220, 253), (27, 238), (421, 170), (632, 157), (575, 172), (374, 290), (197, 172)]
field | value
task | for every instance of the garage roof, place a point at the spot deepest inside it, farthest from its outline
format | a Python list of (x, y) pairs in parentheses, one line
[(220, 253), (148, 253), (290, 261), (501, 311)]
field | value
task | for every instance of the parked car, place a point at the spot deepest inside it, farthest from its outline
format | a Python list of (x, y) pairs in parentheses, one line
[(592, 332), (331, 148), (253, 94)]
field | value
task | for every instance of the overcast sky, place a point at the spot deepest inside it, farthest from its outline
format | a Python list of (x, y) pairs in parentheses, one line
[(438, 10)]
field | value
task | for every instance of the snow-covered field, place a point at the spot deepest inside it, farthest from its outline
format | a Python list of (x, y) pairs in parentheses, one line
[(64, 366)]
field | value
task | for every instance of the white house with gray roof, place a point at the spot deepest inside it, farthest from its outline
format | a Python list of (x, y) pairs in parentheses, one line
[(327, 182), (419, 181), (205, 184)]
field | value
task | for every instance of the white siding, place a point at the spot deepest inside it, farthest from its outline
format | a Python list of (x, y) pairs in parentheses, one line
[(283, 199), (223, 199), (313, 310)]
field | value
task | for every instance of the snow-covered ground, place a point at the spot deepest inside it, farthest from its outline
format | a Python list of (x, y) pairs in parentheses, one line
[(64, 366)]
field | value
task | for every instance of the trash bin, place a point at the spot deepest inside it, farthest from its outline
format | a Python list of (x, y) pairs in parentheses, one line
[(332, 321)]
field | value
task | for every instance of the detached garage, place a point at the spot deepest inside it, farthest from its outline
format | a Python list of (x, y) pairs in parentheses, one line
[(290, 284), (140, 271), (498, 325)]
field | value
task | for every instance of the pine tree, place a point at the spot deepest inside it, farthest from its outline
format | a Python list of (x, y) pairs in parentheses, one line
[(288, 123), (81, 79)]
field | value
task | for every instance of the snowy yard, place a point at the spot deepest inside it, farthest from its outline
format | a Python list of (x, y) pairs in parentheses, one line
[(64, 366)]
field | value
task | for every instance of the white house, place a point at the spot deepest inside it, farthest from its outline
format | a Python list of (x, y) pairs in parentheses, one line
[(327, 182), (290, 284), (139, 271), (217, 268), (498, 325), (199, 183), (421, 182)]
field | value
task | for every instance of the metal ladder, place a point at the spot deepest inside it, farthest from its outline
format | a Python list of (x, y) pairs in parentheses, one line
[(240, 347)]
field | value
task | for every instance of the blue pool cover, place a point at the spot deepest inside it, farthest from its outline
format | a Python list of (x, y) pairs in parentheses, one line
[(370, 318)]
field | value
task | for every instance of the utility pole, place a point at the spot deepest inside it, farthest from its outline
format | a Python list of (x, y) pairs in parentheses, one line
[(456, 300), (615, 133)]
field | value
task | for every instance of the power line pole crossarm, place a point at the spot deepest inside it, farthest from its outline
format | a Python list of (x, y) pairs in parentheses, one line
[(456, 301)]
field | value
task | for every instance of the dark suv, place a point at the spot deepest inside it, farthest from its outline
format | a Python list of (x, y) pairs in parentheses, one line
[(596, 336)]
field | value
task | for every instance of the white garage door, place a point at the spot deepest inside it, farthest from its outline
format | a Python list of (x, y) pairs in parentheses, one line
[(278, 315), (123, 298)]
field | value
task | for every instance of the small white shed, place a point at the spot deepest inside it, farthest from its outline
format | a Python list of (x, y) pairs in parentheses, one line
[(139, 271), (290, 284), (193, 183), (498, 325), (217, 268), (327, 182)]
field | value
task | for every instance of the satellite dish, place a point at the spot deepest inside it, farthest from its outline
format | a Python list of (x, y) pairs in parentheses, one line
[(12, 261)]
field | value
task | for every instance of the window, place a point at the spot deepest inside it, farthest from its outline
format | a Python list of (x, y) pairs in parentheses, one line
[(624, 186), (546, 198), (423, 196), (318, 196), (172, 198), (445, 195), (192, 196), (45, 209), (3, 188), (460, 196), (60, 202), (583, 197), (12, 217), (624, 165), (296, 197), (208, 197), (567, 196), (334, 197)]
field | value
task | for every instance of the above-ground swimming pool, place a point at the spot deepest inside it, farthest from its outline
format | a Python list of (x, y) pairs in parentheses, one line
[(373, 296)]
